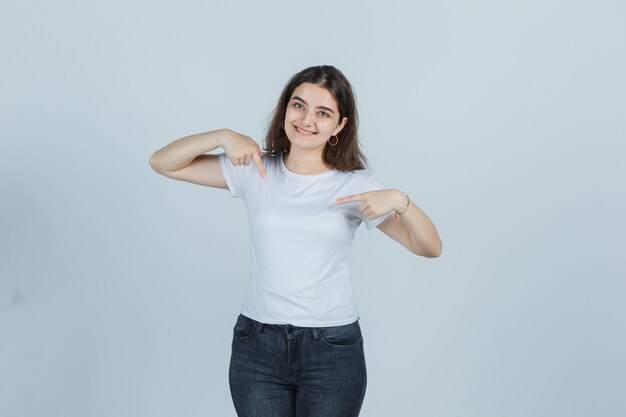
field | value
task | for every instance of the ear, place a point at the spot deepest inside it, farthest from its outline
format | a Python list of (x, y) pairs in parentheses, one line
[(340, 127)]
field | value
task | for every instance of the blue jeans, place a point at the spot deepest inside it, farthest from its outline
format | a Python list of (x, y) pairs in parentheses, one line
[(286, 371)]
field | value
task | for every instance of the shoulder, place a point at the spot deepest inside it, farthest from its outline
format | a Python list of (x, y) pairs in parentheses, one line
[(367, 180), (359, 180), (361, 176)]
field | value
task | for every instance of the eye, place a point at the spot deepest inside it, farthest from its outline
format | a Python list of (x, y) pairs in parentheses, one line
[(297, 104), (325, 114)]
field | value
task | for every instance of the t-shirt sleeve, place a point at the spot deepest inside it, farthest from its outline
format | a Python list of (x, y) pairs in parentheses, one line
[(372, 185), (235, 175)]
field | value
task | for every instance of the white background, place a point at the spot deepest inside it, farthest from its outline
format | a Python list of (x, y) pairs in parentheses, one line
[(503, 121)]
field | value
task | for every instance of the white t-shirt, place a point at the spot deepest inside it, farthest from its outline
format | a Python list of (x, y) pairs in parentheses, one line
[(300, 241)]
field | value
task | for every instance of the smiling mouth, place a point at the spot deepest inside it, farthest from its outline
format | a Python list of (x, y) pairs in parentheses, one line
[(304, 132)]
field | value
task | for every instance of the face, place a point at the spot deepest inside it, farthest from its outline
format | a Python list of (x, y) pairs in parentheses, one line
[(313, 109)]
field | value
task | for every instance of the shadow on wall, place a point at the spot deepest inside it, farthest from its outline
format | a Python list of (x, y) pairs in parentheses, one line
[(10, 297)]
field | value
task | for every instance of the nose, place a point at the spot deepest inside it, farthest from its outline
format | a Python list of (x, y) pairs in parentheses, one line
[(308, 118)]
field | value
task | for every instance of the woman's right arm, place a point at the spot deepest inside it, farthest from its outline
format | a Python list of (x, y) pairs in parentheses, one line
[(185, 159)]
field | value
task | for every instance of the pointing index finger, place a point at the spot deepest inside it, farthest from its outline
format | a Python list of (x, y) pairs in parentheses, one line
[(354, 197), (259, 163)]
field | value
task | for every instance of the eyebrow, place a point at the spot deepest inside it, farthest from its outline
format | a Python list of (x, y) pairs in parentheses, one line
[(319, 107)]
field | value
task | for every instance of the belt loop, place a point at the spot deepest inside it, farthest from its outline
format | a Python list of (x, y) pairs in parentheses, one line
[(315, 333), (259, 327)]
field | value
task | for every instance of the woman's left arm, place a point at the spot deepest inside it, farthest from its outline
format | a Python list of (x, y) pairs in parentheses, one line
[(422, 231), (412, 228)]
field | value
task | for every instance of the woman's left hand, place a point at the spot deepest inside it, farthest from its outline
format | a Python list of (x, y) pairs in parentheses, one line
[(376, 203)]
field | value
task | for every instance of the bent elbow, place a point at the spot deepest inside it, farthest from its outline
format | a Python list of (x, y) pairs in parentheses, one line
[(154, 164), (433, 253), (437, 252)]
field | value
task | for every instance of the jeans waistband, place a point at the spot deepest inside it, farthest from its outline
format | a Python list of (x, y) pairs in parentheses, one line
[(286, 329)]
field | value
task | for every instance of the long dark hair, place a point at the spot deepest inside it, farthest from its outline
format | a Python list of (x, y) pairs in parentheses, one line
[(346, 155)]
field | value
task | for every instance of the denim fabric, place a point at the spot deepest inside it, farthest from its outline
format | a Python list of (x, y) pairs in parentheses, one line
[(286, 371)]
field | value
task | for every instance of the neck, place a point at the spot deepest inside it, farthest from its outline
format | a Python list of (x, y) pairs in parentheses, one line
[(305, 162)]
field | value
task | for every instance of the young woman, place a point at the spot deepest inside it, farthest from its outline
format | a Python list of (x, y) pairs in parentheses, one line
[(297, 347)]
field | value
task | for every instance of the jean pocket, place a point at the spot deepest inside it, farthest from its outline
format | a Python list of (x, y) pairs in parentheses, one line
[(341, 336), (243, 327)]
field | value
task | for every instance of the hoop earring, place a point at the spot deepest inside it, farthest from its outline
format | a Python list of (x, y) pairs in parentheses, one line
[(334, 144)]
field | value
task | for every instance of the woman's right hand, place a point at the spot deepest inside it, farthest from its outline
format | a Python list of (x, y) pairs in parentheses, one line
[(241, 149)]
